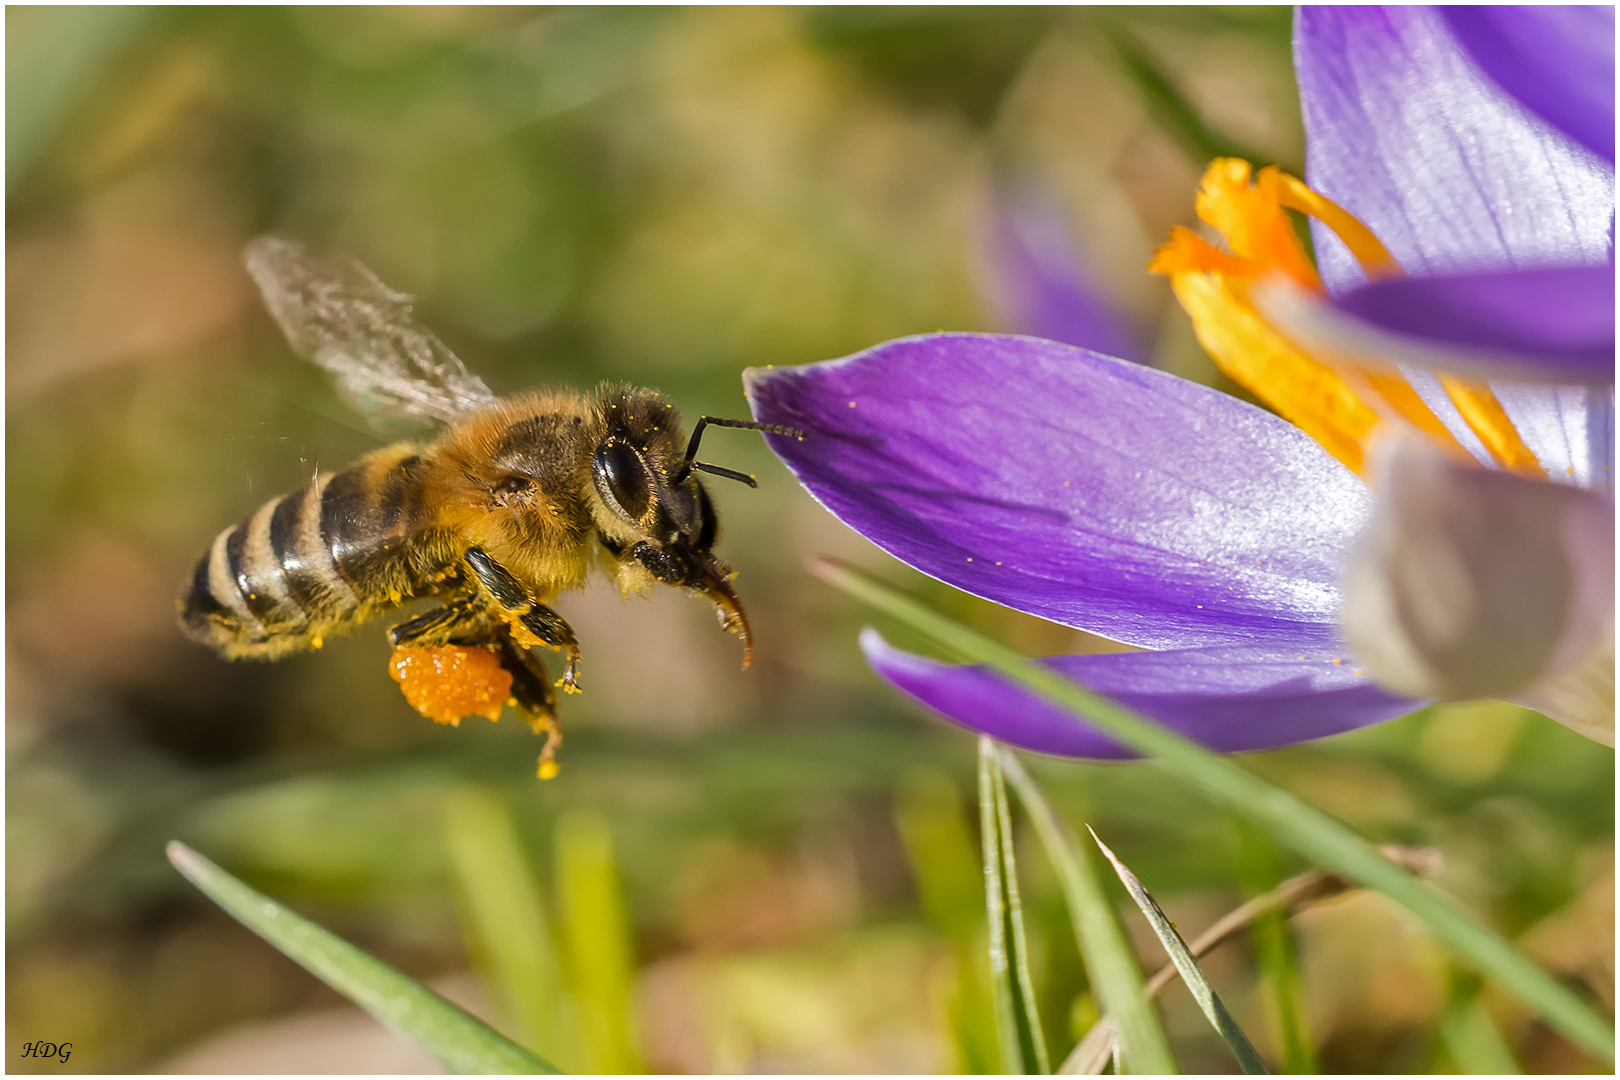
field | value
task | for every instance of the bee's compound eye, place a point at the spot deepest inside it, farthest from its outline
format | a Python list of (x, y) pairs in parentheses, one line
[(621, 478)]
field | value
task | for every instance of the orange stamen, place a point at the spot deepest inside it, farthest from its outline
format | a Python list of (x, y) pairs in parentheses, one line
[(1397, 394), (1304, 391), (1248, 216), (1339, 401), (1487, 418), (1370, 252)]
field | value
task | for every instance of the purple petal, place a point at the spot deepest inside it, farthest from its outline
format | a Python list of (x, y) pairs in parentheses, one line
[(1558, 60), (1450, 171), (1080, 488), (1546, 326), (1228, 698), (1561, 321), (1033, 283), (1570, 429)]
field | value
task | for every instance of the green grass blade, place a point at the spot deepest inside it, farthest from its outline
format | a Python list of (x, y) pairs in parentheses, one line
[(1023, 1046), (950, 884), (1110, 964), (995, 899), (1191, 974), (505, 916), (1470, 1036), (1293, 822), (1476, 1046), (1276, 956), (601, 968), (460, 1040)]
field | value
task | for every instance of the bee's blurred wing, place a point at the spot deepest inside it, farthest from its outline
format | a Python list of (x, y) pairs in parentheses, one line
[(338, 314)]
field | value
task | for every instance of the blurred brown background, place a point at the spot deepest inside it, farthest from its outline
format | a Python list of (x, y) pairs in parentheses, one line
[(663, 196)]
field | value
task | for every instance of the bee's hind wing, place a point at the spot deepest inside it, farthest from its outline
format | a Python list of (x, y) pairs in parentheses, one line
[(339, 315)]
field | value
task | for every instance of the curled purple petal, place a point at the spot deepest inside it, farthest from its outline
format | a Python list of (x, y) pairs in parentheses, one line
[(1229, 698), (1031, 280), (1559, 321), (1080, 488), (1557, 59), (1450, 171), (1544, 326)]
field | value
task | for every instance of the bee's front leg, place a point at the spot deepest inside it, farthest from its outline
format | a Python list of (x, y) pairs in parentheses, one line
[(539, 620)]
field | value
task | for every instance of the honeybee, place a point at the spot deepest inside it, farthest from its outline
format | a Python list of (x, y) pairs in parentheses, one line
[(515, 502)]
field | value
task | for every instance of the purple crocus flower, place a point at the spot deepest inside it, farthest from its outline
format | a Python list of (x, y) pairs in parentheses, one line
[(1171, 517)]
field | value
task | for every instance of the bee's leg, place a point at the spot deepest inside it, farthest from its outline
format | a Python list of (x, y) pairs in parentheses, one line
[(552, 629), (437, 626), (531, 686), (539, 620)]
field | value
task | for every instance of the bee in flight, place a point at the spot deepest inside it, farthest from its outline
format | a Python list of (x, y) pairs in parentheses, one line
[(514, 502)]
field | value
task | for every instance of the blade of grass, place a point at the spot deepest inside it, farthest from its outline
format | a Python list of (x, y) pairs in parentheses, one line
[(601, 966), (1286, 900), (1295, 823), (1475, 1044), (1275, 953), (504, 915), (950, 883), (1191, 974), (1023, 1046), (1469, 1034), (460, 1040), (995, 898), (1110, 964)]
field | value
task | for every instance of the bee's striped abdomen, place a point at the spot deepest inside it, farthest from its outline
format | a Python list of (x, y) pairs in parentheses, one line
[(307, 563), (301, 550)]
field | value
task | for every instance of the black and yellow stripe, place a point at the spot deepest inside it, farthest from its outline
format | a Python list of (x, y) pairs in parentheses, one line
[(308, 563)]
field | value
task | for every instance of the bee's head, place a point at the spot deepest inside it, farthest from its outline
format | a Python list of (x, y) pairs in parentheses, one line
[(655, 518)]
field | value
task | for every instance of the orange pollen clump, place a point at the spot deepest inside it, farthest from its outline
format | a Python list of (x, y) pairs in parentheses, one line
[(447, 682), (1342, 402)]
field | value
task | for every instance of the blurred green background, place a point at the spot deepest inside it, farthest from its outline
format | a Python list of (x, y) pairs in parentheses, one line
[(763, 871)]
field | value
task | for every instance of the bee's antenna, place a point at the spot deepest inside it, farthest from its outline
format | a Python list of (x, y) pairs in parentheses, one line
[(715, 470), (697, 437)]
